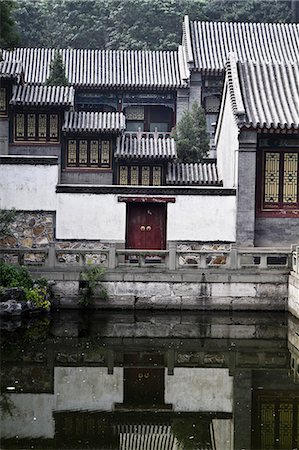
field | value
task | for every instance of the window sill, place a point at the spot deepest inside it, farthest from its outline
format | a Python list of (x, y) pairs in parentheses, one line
[(87, 170), (36, 143), (280, 213)]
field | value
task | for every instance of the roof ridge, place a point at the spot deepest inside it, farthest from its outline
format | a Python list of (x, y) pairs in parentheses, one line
[(244, 23)]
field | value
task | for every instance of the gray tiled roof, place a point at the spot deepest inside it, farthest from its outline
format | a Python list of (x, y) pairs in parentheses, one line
[(264, 95), (106, 68), (147, 436), (193, 174), (145, 145), (43, 95), (94, 121), (10, 68), (207, 44)]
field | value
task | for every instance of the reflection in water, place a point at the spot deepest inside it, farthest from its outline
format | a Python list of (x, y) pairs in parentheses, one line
[(151, 381)]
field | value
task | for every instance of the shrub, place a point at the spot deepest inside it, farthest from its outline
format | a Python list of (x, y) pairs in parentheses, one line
[(36, 291), (92, 279), (38, 296), (14, 276)]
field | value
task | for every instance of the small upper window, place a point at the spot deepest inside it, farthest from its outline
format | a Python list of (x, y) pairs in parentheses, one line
[(36, 127)]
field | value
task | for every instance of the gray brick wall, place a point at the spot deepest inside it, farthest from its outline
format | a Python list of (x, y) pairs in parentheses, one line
[(276, 231), (48, 150), (86, 178), (3, 136), (246, 188)]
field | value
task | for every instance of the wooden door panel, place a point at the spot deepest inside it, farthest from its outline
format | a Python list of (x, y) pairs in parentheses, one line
[(144, 386), (146, 226)]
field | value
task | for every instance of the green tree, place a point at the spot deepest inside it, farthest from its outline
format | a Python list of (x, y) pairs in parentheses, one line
[(9, 37), (191, 136), (132, 24), (249, 10), (57, 75)]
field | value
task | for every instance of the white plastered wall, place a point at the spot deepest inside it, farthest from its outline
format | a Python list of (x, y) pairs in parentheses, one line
[(202, 218), (227, 142), (28, 187), (32, 416), (199, 390), (90, 216), (99, 391), (102, 217)]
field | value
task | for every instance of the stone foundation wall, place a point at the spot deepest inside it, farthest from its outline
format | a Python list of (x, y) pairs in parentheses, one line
[(30, 229), (293, 302), (231, 294), (36, 229)]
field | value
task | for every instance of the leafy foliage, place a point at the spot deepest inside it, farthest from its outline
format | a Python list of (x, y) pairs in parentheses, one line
[(35, 291), (57, 75), (249, 10), (191, 136), (9, 37), (6, 217), (92, 281), (14, 276), (38, 296), (131, 24)]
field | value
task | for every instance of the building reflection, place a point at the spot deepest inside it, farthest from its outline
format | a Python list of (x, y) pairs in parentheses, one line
[(177, 381)]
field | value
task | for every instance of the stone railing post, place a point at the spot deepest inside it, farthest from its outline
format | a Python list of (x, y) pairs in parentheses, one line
[(51, 261), (112, 256), (263, 262), (233, 258), (172, 256)]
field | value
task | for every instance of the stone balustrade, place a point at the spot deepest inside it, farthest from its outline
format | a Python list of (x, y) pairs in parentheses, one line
[(295, 260), (174, 258)]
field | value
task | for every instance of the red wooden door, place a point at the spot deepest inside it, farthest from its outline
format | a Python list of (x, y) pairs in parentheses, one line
[(146, 226), (144, 386)]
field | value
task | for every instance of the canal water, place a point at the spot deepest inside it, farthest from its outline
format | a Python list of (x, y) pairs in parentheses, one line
[(144, 381)]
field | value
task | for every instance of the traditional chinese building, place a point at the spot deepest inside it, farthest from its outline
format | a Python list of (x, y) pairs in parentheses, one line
[(95, 161), (258, 148)]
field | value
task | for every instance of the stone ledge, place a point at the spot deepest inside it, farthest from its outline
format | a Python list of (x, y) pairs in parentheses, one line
[(31, 160), (179, 276), (141, 190)]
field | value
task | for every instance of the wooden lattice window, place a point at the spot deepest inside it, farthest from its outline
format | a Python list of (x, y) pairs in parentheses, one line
[(36, 127), (275, 420), (53, 125), (42, 127), (280, 188), (140, 175), (88, 153), (3, 101), (105, 154)]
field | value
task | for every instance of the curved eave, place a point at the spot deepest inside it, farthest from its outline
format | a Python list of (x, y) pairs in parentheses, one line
[(145, 157), (274, 128)]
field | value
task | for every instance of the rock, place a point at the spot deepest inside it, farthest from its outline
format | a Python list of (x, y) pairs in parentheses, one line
[(38, 230), (30, 306), (26, 242), (12, 308), (15, 293), (10, 325), (41, 241), (8, 241)]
